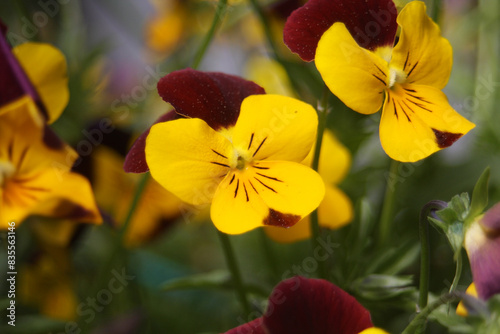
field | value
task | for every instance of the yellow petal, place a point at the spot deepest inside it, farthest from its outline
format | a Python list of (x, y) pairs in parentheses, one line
[(298, 232), (421, 52), (336, 209), (46, 68), (275, 127), (334, 212), (70, 196), (188, 158), (268, 193), (27, 105), (418, 121), (334, 160), (373, 330), (357, 76), (471, 290)]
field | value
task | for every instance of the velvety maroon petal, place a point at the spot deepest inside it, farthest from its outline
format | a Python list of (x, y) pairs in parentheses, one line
[(214, 97), (299, 305), (13, 81), (252, 327), (372, 23), (491, 220), (485, 266), (135, 161)]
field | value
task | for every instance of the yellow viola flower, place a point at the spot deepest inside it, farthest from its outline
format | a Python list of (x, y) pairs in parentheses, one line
[(240, 150), (33, 74), (336, 209), (354, 52), (35, 176)]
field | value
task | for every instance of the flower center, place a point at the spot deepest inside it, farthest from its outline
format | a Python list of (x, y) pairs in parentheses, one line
[(396, 76), (6, 171), (241, 159)]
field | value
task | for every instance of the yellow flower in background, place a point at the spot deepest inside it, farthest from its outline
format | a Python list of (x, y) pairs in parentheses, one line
[(165, 30), (34, 78), (36, 177), (157, 209), (241, 151), (46, 282), (35, 165), (336, 209), (369, 73), (270, 75)]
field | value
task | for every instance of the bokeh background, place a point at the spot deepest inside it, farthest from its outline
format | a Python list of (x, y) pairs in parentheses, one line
[(116, 51)]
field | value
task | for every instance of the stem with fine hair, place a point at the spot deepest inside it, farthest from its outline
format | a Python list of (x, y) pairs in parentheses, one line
[(235, 271), (315, 229), (218, 16), (387, 214), (417, 325), (429, 208)]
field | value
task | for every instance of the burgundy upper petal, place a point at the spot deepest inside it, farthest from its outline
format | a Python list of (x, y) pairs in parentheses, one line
[(491, 219), (252, 327), (299, 305), (214, 97), (135, 161), (485, 257), (485, 267), (13, 81), (372, 23)]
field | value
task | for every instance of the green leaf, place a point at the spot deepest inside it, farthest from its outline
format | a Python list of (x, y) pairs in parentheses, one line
[(34, 324), (479, 196), (210, 280), (379, 287)]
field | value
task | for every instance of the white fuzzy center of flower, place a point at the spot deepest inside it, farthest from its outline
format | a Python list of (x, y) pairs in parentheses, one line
[(6, 171), (396, 76)]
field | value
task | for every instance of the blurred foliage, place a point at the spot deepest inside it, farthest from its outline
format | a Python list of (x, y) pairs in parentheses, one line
[(177, 282)]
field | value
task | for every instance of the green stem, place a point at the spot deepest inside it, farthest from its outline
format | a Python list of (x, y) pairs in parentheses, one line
[(133, 206), (266, 26), (269, 254), (387, 214), (219, 15), (458, 273), (436, 10), (272, 44), (235, 271), (430, 207), (315, 229), (417, 325)]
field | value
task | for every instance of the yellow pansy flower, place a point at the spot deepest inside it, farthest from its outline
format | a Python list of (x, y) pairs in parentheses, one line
[(355, 54), (240, 151)]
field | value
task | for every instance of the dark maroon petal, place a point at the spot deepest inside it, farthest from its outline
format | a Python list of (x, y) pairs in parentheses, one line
[(491, 220), (214, 97), (485, 266), (372, 23), (284, 8), (135, 161), (13, 81), (299, 305), (252, 327)]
